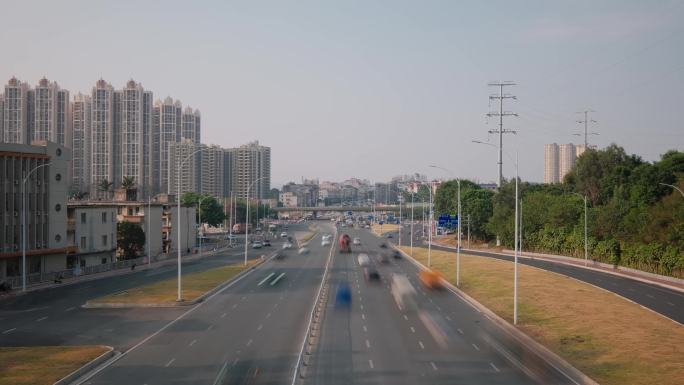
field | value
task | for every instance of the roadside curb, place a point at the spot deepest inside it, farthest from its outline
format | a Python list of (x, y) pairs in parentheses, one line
[(69, 378), (123, 305), (551, 358)]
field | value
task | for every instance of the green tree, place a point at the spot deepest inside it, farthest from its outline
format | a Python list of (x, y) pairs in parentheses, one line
[(211, 210), (476, 202), (128, 184), (105, 186), (130, 239)]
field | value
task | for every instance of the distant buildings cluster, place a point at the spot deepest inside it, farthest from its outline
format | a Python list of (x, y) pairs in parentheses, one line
[(559, 159), (123, 133)]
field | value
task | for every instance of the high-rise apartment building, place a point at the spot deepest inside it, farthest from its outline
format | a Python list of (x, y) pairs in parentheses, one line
[(102, 152), (212, 171), (81, 146), (252, 168), (169, 122), (566, 159), (551, 163), (190, 120), (180, 152), (15, 125), (50, 120), (135, 135), (228, 156)]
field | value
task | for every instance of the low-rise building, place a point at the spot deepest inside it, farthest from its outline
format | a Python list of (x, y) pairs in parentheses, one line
[(91, 229)]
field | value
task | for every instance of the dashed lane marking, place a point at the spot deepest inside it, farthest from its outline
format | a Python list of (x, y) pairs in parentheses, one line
[(370, 363), (363, 316), (268, 315), (41, 319), (365, 329), (9, 331), (405, 317), (210, 327), (420, 343), (249, 342), (494, 367), (447, 318), (261, 326), (413, 330), (70, 309), (224, 315), (367, 344), (476, 347), (170, 362), (434, 367), (460, 331), (192, 342)]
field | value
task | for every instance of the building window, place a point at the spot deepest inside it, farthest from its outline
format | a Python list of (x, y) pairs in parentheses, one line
[(104, 217), (83, 218), (58, 207), (59, 152), (83, 243), (58, 238), (104, 240), (104, 261), (58, 177)]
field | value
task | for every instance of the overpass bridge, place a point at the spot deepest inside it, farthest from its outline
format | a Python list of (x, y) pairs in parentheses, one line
[(342, 209)]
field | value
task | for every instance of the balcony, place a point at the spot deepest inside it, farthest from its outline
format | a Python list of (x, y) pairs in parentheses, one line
[(139, 219)]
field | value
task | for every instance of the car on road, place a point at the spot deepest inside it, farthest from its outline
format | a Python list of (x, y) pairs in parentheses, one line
[(383, 245), (257, 245), (283, 234), (431, 279), (303, 251), (357, 241), (383, 257), (267, 243), (371, 273), (343, 295), (366, 227), (287, 245), (363, 260), (403, 292), (396, 254), (389, 235), (325, 242)]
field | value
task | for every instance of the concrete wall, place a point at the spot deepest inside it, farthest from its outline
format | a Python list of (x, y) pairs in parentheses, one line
[(94, 228), (154, 219)]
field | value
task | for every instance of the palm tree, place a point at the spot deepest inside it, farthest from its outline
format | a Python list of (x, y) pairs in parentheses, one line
[(128, 184), (105, 186), (79, 195)]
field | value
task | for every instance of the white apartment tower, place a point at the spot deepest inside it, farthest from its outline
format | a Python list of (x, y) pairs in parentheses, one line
[(168, 118), (187, 172), (252, 167), (102, 158), (212, 169), (551, 163), (566, 159), (190, 121), (14, 127), (134, 132), (81, 112), (50, 120)]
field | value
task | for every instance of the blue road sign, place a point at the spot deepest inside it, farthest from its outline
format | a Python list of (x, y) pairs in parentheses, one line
[(370, 217), (381, 223), (447, 221)]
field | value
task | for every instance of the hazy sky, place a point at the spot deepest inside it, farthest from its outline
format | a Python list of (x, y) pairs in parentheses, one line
[(375, 88)]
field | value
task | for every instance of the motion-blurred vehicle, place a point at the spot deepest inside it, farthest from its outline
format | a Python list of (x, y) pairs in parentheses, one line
[(383, 257), (396, 254), (325, 242), (303, 251), (389, 235), (345, 243), (357, 241), (280, 256), (287, 245), (363, 260), (283, 234), (267, 243), (366, 227), (343, 295), (371, 273), (403, 292), (257, 245), (383, 245), (431, 279)]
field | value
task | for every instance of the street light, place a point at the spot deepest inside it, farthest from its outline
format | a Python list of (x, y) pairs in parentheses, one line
[(23, 225), (458, 246), (515, 236), (586, 238), (674, 187), (430, 214), (199, 227), (178, 233), (411, 237), (247, 216)]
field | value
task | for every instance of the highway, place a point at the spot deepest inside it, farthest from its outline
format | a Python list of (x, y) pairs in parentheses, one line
[(54, 316), (373, 342), (667, 302), (250, 332)]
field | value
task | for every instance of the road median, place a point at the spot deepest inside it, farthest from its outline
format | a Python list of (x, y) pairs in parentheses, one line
[(610, 339)]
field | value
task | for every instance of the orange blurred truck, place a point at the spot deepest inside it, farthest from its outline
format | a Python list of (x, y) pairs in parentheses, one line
[(431, 279)]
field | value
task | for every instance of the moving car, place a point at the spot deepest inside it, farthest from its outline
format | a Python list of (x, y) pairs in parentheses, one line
[(283, 234), (431, 279), (343, 295), (389, 235), (267, 242), (325, 242), (345, 243), (257, 245), (371, 273), (363, 260), (287, 245), (357, 241), (303, 251), (403, 292)]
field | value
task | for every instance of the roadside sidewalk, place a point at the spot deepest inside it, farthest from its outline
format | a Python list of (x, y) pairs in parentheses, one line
[(671, 283), (171, 260)]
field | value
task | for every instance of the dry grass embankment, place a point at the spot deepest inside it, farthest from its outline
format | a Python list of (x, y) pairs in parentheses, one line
[(43, 364), (384, 229), (612, 340), (165, 292)]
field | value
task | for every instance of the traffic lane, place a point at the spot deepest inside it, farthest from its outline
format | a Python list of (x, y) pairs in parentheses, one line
[(667, 302), (248, 328), (445, 354), (63, 321)]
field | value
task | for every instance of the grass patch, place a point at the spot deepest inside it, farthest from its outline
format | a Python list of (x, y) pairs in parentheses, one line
[(384, 229), (610, 339), (43, 364), (194, 285)]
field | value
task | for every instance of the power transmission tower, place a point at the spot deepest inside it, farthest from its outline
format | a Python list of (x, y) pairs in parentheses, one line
[(586, 124), (501, 96)]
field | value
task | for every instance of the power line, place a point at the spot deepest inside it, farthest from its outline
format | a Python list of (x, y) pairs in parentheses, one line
[(501, 96), (586, 124)]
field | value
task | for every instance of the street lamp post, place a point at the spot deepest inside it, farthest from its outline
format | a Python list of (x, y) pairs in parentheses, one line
[(401, 221), (411, 237), (458, 246), (247, 216), (24, 224), (430, 227), (199, 225), (674, 187), (178, 232)]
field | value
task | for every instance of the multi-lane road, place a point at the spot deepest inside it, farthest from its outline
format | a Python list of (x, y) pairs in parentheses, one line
[(252, 331)]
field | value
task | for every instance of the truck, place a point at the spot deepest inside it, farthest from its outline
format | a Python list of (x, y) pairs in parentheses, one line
[(239, 228), (345, 243)]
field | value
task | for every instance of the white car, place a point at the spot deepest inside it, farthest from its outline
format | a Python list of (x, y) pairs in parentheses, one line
[(287, 245), (325, 242), (357, 241), (303, 251), (283, 234), (363, 259), (257, 245)]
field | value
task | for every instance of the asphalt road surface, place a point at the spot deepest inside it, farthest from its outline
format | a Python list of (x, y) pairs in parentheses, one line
[(667, 302), (373, 342)]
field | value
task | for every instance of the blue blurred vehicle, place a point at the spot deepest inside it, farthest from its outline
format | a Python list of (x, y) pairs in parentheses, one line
[(343, 295)]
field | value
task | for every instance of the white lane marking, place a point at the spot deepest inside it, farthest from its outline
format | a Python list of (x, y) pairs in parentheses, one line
[(434, 367), (192, 342), (649, 296), (405, 317), (221, 374), (249, 342), (460, 331), (235, 361), (261, 326), (360, 299), (368, 344), (370, 363), (276, 305), (447, 318), (278, 279), (41, 319), (476, 347), (234, 305), (439, 308), (243, 298), (494, 366), (413, 330), (170, 362), (421, 344), (268, 315), (9, 331), (224, 315), (210, 327), (265, 279), (365, 329), (363, 316), (670, 303), (70, 309), (361, 307)]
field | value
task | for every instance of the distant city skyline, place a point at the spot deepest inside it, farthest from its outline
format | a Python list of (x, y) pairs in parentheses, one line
[(378, 88)]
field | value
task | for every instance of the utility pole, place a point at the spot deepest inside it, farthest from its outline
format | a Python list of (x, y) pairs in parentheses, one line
[(586, 127), (501, 96)]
